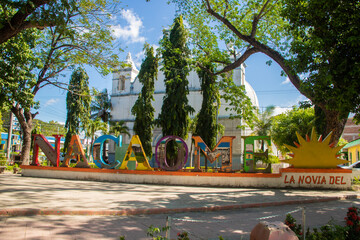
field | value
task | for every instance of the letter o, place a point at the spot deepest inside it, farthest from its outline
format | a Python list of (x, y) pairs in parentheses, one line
[(160, 154)]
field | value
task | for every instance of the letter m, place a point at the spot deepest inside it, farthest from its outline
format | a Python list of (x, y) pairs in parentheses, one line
[(223, 148)]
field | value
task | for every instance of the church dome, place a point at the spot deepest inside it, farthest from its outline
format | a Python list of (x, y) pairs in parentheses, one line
[(250, 92)]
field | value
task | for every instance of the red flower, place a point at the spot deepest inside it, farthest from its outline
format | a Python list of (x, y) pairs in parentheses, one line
[(349, 223)]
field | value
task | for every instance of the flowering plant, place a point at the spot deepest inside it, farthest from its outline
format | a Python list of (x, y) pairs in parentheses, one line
[(353, 223)]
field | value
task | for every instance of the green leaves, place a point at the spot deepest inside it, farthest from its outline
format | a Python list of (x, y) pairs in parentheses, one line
[(174, 116), (78, 101), (286, 124), (326, 50), (143, 109)]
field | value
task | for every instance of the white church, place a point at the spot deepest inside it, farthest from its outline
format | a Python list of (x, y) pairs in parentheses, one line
[(126, 88)]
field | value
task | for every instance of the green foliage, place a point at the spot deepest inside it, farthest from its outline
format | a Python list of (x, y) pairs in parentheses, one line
[(143, 109), (330, 231), (174, 116), (286, 124), (30, 61), (326, 50), (48, 128), (315, 42), (238, 102), (156, 233), (17, 63), (100, 105), (119, 127), (206, 122), (1, 123), (77, 103), (263, 122), (290, 221)]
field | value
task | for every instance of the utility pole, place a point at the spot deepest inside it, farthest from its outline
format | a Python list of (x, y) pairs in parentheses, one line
[(9, 142)]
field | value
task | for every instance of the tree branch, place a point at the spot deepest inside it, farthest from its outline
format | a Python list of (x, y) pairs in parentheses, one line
[(239, 61), (275, 55), (18, 22)]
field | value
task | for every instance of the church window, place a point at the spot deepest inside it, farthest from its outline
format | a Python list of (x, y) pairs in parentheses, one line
[(121, 85)]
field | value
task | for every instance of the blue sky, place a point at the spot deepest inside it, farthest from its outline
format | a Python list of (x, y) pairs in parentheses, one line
[(141, 22)]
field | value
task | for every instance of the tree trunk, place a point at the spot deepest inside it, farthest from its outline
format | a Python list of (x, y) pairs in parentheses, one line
[(333, 124), (25, 119), (26, 147)]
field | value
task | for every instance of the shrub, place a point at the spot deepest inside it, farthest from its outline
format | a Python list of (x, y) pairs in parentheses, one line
[(330, 231)]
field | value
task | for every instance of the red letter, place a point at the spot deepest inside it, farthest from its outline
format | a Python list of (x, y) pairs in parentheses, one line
[(342, 178), (292, 180), (332, 180), (337, 180), (301, 179), (285, 179), (323, 181)]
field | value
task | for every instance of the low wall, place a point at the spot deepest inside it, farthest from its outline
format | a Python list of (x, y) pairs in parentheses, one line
[(294, 178)]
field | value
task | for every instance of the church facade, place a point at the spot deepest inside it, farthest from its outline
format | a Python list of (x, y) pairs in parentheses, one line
[(126, 88)]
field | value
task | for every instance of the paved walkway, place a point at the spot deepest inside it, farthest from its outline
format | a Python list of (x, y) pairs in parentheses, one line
[(67, 199)]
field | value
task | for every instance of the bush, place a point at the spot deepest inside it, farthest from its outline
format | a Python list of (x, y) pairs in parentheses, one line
[(351, 231)]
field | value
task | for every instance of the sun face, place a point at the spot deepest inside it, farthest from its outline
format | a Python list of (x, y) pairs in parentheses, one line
[(314, 152)]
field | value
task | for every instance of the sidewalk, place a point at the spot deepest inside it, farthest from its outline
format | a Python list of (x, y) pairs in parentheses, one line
[(24, 196)]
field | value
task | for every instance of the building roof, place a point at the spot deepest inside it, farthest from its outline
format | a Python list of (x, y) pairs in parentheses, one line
[(352, 144)]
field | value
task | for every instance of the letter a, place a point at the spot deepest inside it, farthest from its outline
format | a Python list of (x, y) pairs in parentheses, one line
[(75, 151), (136, 153)]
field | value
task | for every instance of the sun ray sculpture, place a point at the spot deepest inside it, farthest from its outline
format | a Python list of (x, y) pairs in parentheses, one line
[(314, 152)]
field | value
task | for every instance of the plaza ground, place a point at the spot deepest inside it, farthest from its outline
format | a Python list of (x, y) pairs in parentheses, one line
[(85, 209)]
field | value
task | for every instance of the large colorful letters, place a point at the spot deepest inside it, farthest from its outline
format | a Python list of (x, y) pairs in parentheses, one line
[(223, 148)]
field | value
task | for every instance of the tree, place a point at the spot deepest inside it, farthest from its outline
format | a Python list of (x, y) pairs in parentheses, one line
[(119, 127), (143, 109), (174, 116), (101, 105), (77, 104), (1, 123), (256, 26), (286, 124), (17, 62), (206, 124), (91, 127), (326, 49), (49, 128), (17, 16), (29, 63), (263, 124)]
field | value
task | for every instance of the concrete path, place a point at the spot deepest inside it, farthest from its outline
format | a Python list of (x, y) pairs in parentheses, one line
[(55, 209)]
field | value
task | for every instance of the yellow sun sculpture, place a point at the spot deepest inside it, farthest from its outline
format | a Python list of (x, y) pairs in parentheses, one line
[(314, 153)]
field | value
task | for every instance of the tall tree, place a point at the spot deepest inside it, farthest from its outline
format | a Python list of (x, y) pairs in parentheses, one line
[(17, 80), (254, 26), (29, 63), (174, 116), (206, 124), (326, 49), (77, 104), (143, 109), (101, 105)]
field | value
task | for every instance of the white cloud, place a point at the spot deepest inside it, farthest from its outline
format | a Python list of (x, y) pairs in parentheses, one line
[(286, 81), (51, 101), (131, 32), (279, 110)]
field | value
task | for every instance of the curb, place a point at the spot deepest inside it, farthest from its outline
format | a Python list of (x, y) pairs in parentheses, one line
[(131, 212)]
